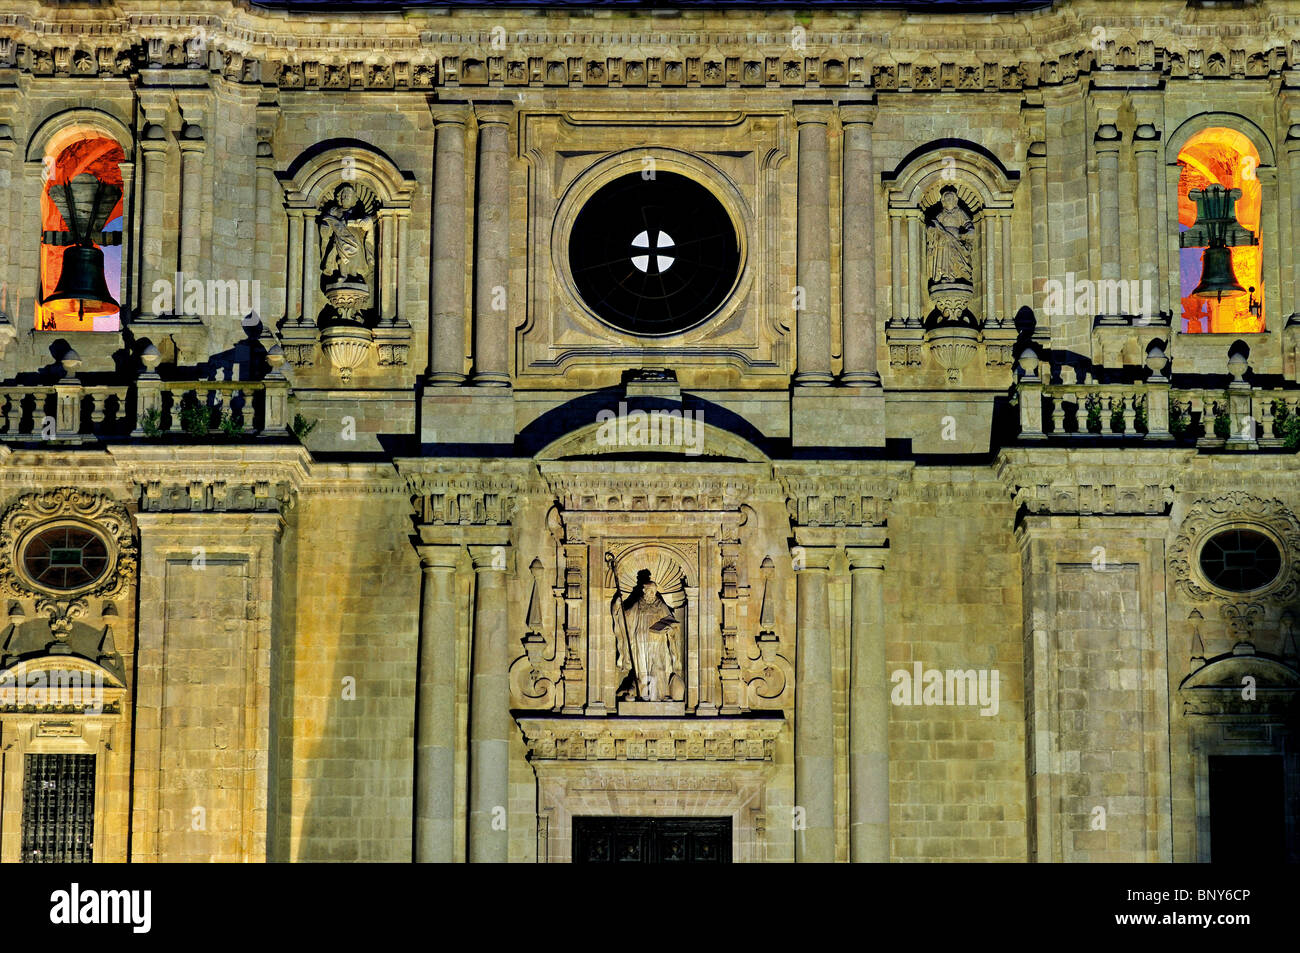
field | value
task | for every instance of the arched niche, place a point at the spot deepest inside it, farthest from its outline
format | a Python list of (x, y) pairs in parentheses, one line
[(1270, 239), (47, 141), (985, 190), (310, 185)]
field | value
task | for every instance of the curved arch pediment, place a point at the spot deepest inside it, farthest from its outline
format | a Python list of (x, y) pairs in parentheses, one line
[(72, 122), (601, 438), (981, 180), (1227, 671), (360, 163)]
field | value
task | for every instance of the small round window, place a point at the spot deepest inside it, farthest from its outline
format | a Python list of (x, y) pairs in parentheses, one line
[(1240, 560), (65, 558), (654, 256)]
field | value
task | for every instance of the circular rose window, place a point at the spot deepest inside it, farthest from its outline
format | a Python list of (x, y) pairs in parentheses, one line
[(65, 558), (654, 256), (1240, 560)]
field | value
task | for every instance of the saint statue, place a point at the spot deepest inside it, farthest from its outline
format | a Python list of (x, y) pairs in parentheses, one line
[(950, 242), (347, 239), (645, 640)]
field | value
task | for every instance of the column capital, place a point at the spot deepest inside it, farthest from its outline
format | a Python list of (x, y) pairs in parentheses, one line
[(857, 113), (818, 113), (449, 113), (1108, 137), (153, 138), (489, 558), (191, 138), (1146, 138), (438, 556), (811, 558), (866, 558), (494, 112), (1293, 137)]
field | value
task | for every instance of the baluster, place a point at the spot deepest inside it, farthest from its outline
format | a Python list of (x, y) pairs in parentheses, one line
[(177, 399), (98, 404), (13, 414), (1130, 413), (1058, 415)]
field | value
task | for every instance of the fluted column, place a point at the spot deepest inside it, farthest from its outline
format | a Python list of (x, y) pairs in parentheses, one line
[(293, 282), (7, 148), (814, 742), (492, 247), (191, 244), (1037, 162), (1146, 141), (447, 314), (813, 323), (489, 709), (1293, 168), (435, 725), (858, 242), (153, 268), (868, 710), (1108, 142), (915, 266), (264, 244)]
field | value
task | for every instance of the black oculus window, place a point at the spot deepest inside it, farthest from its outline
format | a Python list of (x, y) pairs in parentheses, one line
[(654, 256), (1240, 560), (65, 558)]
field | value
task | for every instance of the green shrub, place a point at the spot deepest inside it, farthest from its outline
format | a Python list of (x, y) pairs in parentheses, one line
[(151, 422), (229, 426), (1286, 425), (301, 426), (196, 419)]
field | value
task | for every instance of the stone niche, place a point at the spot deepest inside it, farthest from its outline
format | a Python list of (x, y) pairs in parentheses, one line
[(735, 156), (351, 264), (952, 315)]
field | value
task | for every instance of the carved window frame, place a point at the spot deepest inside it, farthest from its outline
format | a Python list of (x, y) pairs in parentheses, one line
[(633, 161), (1206, 519)]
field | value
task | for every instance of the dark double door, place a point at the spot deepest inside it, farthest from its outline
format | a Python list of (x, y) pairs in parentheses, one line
[(652, 840)]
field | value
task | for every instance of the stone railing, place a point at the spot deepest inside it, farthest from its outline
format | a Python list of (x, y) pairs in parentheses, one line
[(1238, 416), (69, 410)]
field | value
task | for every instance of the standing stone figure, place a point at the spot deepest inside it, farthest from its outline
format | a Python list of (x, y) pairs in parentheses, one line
[(645, 643), (950, 242), (347, 238)]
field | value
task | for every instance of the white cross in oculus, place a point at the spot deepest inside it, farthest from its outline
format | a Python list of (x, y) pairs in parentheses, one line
[(662, 241)]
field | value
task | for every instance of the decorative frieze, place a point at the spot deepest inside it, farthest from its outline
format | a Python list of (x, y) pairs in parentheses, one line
[(645, 739)]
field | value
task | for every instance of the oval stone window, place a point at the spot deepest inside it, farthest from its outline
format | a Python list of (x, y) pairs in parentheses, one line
[(1240, 560), (65, 558), (654, 256)]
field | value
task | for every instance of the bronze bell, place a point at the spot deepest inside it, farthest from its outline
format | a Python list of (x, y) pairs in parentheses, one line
[(82, 291), (1216, 230), (1217, 278)]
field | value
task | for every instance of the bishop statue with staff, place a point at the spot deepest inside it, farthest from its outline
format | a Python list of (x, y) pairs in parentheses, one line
[(645, 641)]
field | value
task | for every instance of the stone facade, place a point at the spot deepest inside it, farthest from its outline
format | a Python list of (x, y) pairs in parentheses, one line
[(362, 520)]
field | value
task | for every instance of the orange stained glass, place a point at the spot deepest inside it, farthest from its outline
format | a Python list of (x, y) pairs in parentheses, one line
[(100, 157), (1224, 157)]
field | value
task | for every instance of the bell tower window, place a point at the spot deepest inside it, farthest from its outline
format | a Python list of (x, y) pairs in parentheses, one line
[(1221, 280), (81, 238)]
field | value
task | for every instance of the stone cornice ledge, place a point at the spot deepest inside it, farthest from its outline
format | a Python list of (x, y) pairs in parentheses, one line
[(1093, 482), (651, 739)]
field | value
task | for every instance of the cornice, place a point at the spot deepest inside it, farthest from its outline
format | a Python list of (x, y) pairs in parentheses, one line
[(1060, 482), (885, 50)]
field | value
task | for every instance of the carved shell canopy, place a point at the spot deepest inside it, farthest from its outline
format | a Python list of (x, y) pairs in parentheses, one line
[(666, 567), (367, 200), (932, 197), (36, 512), (1237, 510)]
